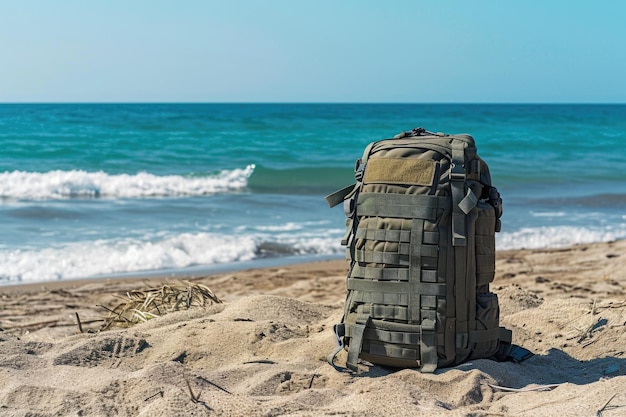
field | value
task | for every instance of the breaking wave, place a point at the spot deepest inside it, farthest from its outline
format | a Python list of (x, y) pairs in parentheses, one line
[(558, 236), (54, 185), (118, 256)]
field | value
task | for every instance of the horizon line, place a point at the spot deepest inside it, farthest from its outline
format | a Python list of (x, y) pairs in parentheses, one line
[(324, 102)]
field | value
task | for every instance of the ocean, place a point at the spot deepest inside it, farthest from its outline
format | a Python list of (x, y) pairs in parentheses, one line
[(91, 190)]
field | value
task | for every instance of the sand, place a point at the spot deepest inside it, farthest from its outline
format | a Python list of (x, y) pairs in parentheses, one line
[(261, 352)]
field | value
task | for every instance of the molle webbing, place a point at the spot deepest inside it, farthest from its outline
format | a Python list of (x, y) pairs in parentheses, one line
[(401, 206), (401, 257), (401, 236), (417, 289), (406, 292), (390, 274)]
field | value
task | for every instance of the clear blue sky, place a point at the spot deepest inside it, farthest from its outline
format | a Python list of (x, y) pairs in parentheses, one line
[(312, 51)]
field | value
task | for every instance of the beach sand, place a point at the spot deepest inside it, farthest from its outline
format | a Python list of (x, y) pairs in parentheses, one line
[(261, 352)]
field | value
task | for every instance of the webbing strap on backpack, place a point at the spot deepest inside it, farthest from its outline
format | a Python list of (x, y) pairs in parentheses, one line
[(457, 184), (356, 343), (428, 346), (339, 196), (340, 332), (459, 243)]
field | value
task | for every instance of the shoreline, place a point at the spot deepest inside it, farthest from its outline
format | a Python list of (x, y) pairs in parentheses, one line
[(197, 272), (193, 272), (264, 347)]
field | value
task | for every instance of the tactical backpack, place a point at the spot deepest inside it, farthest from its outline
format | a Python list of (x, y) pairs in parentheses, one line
[(420, 238)]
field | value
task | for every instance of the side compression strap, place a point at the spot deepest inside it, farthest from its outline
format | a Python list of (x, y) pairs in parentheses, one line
[(457, 184), (509, 351), (428, 346), (339, 195), (340, 331), (356, 342)]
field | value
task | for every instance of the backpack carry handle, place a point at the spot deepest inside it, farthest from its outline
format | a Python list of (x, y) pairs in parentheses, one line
[(418, 131)]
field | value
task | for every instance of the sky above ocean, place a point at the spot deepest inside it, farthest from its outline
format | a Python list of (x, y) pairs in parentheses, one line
[(313, 51)]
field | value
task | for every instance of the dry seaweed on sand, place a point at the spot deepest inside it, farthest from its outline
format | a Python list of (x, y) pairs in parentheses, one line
[(142, 305)]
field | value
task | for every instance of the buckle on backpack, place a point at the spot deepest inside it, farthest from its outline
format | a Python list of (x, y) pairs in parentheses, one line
[(519, 354), (359, 170), (457, 172)]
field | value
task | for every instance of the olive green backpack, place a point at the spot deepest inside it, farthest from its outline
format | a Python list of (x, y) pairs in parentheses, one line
[(420, 239)]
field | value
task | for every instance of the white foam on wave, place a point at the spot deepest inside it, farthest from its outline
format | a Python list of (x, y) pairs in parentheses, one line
[(288, 227), (548, 213), (58, 184), (115, 256), (314, 243), (558, 236), (85, 259)]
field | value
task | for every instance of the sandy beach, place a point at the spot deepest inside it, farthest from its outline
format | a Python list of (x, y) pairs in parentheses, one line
[(261, 351)]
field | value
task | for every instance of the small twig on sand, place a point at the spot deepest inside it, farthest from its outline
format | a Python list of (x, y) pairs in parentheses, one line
[(154, 395), (194, 398), (80, 326), (588, 333), (536, 388), (599, 412), (590, 343), (119, 315), (264, 361), (214, 384)]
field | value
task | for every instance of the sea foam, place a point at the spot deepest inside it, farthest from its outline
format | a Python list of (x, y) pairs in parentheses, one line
[(59, 184), (116, 256), (558, 236), (85, 259)]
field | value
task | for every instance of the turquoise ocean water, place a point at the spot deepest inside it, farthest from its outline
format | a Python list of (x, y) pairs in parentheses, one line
[(100, 189)]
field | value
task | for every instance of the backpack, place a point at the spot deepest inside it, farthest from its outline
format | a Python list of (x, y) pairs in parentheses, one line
[(420, 239)]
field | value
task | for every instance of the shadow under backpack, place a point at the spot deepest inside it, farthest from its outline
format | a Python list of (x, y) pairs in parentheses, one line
[(420, 238)]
